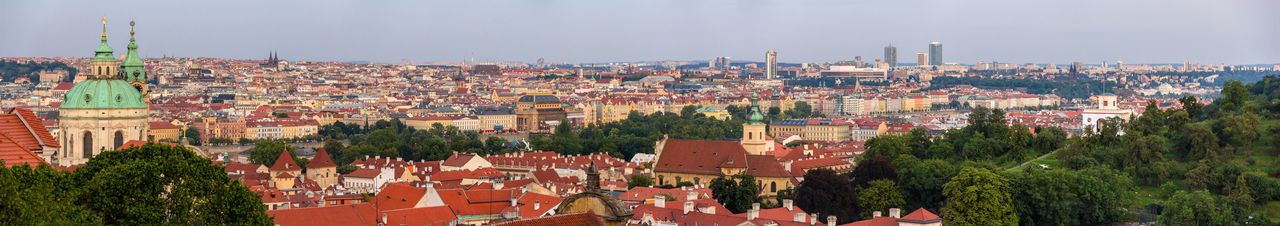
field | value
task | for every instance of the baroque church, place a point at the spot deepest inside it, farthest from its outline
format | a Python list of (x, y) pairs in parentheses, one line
[(108, 108)]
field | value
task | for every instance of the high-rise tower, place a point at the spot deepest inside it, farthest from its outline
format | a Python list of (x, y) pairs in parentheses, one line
[(771, 64), (891, 55), (935, 53), (922, 59)]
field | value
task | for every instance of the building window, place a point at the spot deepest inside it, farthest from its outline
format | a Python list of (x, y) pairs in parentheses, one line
[(119, 139), (88, 144), (773, 186)]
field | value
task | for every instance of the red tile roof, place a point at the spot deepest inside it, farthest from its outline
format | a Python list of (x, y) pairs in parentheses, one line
[(440, 215), (35, 125), (363, 173), (921, 214), (285, 162), (13, 153), (133, 143), (358, 214), (321, 160), (398, 196), (700, 156), (575, 219), (458, 160)]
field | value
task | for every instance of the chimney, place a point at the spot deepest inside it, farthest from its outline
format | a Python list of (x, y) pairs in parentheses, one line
[(660, 202), (537, 205), (787, 166), (813, 219), (831, 220), (692, 195), (513, 201), (754, 212), (709, 210), (895, 213), (797, 217), (688, 207), (384, 218), (875, 214), (787, 203)]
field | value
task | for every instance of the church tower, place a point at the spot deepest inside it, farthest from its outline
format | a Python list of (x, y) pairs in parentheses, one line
[(100, 113), (754, 138), (134, 71)]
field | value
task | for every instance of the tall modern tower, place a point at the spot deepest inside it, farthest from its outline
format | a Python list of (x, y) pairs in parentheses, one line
[(891, 55), (922, 59), (770, 64), (935, 53)]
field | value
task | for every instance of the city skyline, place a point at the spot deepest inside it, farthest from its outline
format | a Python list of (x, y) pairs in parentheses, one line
[(523, 31)]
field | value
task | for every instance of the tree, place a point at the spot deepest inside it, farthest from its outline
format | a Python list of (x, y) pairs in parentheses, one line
[(977, 196), (688, 111), (156, 183), (921, 181), (874, 168), (193, 135), (266, 152), (1234, 96), (1197, 207), (1198, 142), (826, 193), (638, 180), (1068, 197), (1191, 105), (38, 195), (1238, 130), (879, 196), (736, 193)]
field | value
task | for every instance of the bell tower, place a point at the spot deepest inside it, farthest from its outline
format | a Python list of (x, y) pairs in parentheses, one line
[(104, 65), (133, 69), (754, 138)]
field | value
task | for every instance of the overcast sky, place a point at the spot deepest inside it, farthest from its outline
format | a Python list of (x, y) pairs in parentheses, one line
[(1012, 31)]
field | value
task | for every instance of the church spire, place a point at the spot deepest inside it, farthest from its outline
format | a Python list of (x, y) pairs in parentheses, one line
[(134, 69)]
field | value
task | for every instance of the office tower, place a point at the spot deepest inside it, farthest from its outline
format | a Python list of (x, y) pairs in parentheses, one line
[(935, 53), (922, 59), (1186, 65), (770, 64), (1104, 64), (891, 55), (1119, 64)]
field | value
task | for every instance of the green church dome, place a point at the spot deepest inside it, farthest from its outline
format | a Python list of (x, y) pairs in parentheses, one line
[(103, 52), (103, 94)]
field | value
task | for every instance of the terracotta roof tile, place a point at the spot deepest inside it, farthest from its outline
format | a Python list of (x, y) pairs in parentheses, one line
[(321, 160), (358, 214), (13, 153), (285, 163), (585, 219)]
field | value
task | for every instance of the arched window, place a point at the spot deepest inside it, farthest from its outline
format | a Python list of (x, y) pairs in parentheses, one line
[(660, 179), (678, 179), (773, 186), (697, 180), (750, 136), (88, 144), (119, 139)]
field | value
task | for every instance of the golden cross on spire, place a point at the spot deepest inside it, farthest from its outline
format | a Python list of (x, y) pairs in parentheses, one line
[(104, 27)]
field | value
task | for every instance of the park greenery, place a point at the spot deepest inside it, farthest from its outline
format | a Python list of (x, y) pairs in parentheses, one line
[(1210, 164), (11, 70), (143, 185)]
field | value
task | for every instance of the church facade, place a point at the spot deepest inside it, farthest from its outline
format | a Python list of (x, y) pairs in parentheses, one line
[(105, 110)]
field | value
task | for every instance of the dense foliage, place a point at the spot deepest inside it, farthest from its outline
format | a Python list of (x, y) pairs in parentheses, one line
[(10, 70), (392, 138), (148, 184), (736, 192)]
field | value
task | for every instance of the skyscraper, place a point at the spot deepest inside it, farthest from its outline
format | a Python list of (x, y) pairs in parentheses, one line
[(891, 55), (935, 53), (770, 64), (922, 59)]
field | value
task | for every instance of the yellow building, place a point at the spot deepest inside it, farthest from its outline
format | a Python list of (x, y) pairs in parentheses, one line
[(164, 131), (714, 112)]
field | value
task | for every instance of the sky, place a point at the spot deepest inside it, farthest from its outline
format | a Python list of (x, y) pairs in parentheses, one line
[(590, 31)]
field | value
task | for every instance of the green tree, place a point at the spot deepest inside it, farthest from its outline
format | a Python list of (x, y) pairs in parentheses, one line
[(193, 135), (879, 196), (1198, 142), (1191, 105), (737, 192), (921, 181), (266, 152), (40, 195), (1238, 130), (1066, 197), (874, 168), (1194, 208), (638, 180), (826, 193), (977, 196), (1234, 96), (155, 183)]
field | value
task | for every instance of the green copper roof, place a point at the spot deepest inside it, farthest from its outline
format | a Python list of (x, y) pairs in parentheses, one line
[(134, 69), (103, 53), (755, 118), (103, 94)]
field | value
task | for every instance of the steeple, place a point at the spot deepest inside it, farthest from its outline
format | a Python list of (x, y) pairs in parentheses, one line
[(104, 51), (134, 69), (755, 118)]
